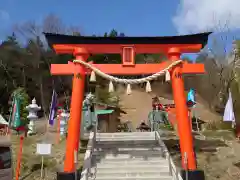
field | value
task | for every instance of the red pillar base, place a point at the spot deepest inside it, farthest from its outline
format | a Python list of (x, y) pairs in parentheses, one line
[(193, 175), (237, 130)]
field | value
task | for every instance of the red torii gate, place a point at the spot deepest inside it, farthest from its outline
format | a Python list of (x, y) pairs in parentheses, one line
[(82, 47)]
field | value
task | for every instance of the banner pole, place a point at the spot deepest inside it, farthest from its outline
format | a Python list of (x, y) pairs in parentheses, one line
[(19, 158)]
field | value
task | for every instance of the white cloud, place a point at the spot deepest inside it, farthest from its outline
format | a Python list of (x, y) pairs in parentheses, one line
[(194, 16), (4, 16)]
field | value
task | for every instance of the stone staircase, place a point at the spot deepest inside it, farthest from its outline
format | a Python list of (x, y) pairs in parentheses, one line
[(129, 156)]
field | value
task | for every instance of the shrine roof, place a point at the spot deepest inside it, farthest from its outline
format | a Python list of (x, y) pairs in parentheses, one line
[(200, 38), (104, 111)]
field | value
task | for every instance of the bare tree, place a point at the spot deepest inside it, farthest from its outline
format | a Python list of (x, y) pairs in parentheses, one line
[(33, 31), (53, 24), (224, 61)]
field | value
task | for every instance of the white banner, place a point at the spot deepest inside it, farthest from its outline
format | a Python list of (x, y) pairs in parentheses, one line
[(229, 112)]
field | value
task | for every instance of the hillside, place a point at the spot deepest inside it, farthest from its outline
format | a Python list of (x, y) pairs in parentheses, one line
[(138, 104)]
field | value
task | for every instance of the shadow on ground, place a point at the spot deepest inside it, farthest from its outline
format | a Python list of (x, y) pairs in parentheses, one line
[(200, 145)]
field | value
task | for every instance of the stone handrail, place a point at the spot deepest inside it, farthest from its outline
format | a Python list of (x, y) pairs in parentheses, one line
[(173, 171), (87, 163)]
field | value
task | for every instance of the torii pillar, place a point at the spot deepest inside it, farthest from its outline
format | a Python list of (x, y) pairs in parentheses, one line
[(77, 98), (183, 123)]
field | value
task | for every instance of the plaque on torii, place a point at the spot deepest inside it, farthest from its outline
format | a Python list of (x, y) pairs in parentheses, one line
[(82, 47)]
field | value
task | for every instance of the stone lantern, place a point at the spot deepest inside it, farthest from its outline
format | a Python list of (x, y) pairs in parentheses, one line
[(32, 116)]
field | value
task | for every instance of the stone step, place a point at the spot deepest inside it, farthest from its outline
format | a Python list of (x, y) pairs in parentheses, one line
[(137, 138), (146, 167), (127, 134), (131, 153), (106, 148), (131, 142), (127, 138), (130, 174), (128, 141), (134, 178), (139, 146), (129, 156), (128, 159), (129, 164)]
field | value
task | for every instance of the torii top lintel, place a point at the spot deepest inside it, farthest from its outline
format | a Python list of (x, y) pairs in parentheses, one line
[(127, 46)]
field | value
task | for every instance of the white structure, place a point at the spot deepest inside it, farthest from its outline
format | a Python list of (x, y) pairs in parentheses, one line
[(32, 116), (64, 116), (229, 112)]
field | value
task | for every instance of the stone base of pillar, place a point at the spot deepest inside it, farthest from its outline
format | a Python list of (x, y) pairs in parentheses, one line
[(68, 175), (65, 176), (193, 174)]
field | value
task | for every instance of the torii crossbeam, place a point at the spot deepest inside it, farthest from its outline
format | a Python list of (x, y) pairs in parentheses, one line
[(82, 47)]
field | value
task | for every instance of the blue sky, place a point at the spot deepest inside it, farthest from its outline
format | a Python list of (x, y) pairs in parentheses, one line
[(133, 17)]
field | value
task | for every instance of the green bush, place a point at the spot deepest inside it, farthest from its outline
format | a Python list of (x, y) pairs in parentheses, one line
[(103, 96)]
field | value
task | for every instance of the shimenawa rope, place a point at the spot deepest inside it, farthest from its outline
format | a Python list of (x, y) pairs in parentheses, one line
[(128, 81)]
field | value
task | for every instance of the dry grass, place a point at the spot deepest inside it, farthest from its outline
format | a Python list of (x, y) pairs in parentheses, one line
[(31, 162), (217, 154)]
